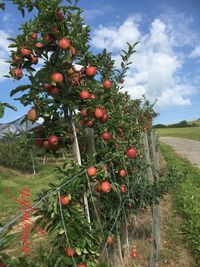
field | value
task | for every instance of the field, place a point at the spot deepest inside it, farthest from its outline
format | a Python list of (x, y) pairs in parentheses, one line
[(173, 253), (12, 181), (190, 133), (186, 199)]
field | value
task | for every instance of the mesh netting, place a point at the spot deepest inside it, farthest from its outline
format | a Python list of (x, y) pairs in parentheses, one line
[(17, 126)]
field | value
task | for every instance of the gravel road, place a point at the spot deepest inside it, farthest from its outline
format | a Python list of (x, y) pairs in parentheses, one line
[(189, 149)]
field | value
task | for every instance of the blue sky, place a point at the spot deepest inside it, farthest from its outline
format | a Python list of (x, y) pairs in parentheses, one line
[(166, 66)]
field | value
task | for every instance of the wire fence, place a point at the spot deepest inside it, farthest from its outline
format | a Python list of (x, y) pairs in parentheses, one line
[(124, 244)]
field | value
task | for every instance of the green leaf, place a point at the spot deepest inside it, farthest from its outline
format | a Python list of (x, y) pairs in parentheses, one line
[(1, 110), (24, 120), (23, 12), (12, 45), (10, 106), (78, 251), (2, 6), (20, 88), (67, 260), (12, 39)]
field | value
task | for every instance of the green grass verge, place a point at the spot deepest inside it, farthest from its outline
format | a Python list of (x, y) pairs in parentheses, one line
[(190, 133), (186, 199), (15, 181)]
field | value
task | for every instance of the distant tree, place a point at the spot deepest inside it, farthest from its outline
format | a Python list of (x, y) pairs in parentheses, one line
[(157, 126)]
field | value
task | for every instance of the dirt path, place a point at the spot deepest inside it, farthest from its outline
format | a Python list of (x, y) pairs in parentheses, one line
[(190, 149)]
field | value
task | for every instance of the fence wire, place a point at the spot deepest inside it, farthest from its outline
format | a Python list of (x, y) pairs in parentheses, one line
[(131, 238)]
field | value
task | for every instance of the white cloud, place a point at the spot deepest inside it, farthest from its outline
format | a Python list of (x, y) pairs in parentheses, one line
[(94, 13), (40, 120), (179, 28), (115, 38), (195, 52), (4, 54), (6, 17), (156, 65), (3, 41)]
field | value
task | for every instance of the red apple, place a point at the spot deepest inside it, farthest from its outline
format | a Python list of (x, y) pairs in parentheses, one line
[(53, 140), (64, 200), (73, 51), (82, 122), (83, 70), (32, 115), (107, 84), (34, 59), (92, 96), (83, 113), (98, 188), (91, 171), (59, 15), (64, 43), (110, 240), (120, 130), (106, 187), (57, 77), (105, 136), (89, 123), (39, 45), (134, 253), (3, 265), (39, 142), (46, 145), (48, 38), (55, 30), (99, 112), (81, 265), (55, 90), (129, 205), (16, 58), (69, 252), (122, 173), (25, 51), (84, 94), (47, 86), (34, 36), (17, 73), (123, 188), (91, 71), (104, 118), (131, 153)]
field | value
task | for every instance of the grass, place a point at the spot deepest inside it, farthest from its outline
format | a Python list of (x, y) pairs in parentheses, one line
[(9, 209), (14, 181), (190, 132), (186, 200), (195, 121)]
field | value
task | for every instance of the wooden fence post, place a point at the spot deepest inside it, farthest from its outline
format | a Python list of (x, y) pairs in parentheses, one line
[(77, 157), (156, 208), (90, 151), (151, 153), (33, 163), (90, 142), (120, 249), (147, 157)]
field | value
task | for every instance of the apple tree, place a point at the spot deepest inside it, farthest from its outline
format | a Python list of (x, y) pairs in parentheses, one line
[(79, 95)]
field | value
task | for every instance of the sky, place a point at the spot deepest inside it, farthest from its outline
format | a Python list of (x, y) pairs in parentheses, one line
[(166, 66)]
